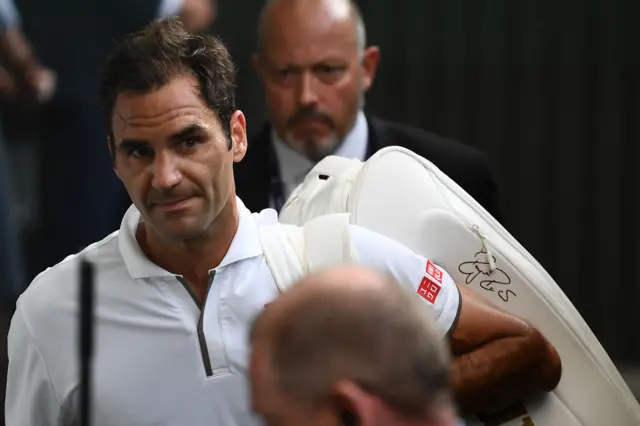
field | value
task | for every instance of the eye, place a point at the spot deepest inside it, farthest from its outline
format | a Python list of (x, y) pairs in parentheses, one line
[(192, 142), (140, 152), (283, 73), (329, 74), (325, 69), (285, 76)]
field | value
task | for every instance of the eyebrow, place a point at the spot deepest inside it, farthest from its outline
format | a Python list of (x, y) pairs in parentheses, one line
[(330, 60), (191, 130)]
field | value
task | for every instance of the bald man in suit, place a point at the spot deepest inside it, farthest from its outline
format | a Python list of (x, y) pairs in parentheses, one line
[(315, 67)]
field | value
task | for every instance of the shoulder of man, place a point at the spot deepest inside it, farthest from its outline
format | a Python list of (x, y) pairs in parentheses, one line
[(51, 298), (467, 166), (441, 151)]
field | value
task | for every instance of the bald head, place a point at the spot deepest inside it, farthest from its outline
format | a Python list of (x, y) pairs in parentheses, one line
[(315, 68), (317, 16), (353, 324)]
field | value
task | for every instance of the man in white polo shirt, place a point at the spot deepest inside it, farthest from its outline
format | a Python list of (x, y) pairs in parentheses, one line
[(178, 285)]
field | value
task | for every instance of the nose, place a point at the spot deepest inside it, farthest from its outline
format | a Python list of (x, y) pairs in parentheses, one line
[(307, 91), (166, 174)]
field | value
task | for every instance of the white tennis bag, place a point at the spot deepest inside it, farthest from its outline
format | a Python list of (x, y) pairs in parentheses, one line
[(403, 196)]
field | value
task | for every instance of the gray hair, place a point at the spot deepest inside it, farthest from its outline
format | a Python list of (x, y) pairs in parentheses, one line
[(384, 341)]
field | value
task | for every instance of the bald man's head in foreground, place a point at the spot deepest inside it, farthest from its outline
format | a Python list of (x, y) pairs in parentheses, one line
[(315, 68), (348, 346)]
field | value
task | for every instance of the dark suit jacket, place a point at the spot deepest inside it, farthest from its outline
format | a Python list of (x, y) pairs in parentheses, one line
[(466, 166)]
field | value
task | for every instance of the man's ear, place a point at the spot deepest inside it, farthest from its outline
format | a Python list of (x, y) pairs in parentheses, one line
[(352, 405), (370, 61), (238, 133)]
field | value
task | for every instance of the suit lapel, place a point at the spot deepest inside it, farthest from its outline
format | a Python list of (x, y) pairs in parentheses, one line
[(252, 174), (378, 136)]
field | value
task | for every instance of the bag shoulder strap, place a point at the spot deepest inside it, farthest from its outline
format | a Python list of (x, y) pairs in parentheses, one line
[(328, 242), (283, 248), (293, 251)]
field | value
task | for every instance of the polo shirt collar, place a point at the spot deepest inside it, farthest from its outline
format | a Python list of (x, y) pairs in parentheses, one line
[(245, 244)]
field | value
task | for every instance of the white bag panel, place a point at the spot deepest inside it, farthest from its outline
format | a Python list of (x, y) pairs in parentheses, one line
[(328, 184), (586, 389)]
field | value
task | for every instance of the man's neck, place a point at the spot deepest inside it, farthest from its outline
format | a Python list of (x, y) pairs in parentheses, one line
[(193, 259)]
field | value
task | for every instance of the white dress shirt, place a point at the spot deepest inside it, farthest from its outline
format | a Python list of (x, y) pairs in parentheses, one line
[(169, 8)]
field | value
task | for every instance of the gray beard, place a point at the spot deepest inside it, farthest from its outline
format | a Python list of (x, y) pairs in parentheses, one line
[(313, 149)]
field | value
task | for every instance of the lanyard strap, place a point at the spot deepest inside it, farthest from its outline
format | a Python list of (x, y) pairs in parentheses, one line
[(276, 186)]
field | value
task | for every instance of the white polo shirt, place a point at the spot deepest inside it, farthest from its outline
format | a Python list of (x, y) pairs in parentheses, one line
[(160, 359)]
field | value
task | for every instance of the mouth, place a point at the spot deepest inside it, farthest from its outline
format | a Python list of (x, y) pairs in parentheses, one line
[(172, 205), (311, 122)]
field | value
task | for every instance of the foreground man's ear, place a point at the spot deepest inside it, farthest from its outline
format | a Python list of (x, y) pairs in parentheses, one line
[(238, 132)]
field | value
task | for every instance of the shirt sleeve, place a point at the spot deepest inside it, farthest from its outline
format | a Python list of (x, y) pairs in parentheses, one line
[(169, 8), (30, 398), (431, 283), (9, 16)]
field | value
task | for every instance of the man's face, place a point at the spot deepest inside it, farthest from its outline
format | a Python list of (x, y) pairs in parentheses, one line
[(314, 76), (173, 156), (276, 408)]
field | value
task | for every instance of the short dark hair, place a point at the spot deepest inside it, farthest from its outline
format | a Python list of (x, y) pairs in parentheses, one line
[(147, 60)]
